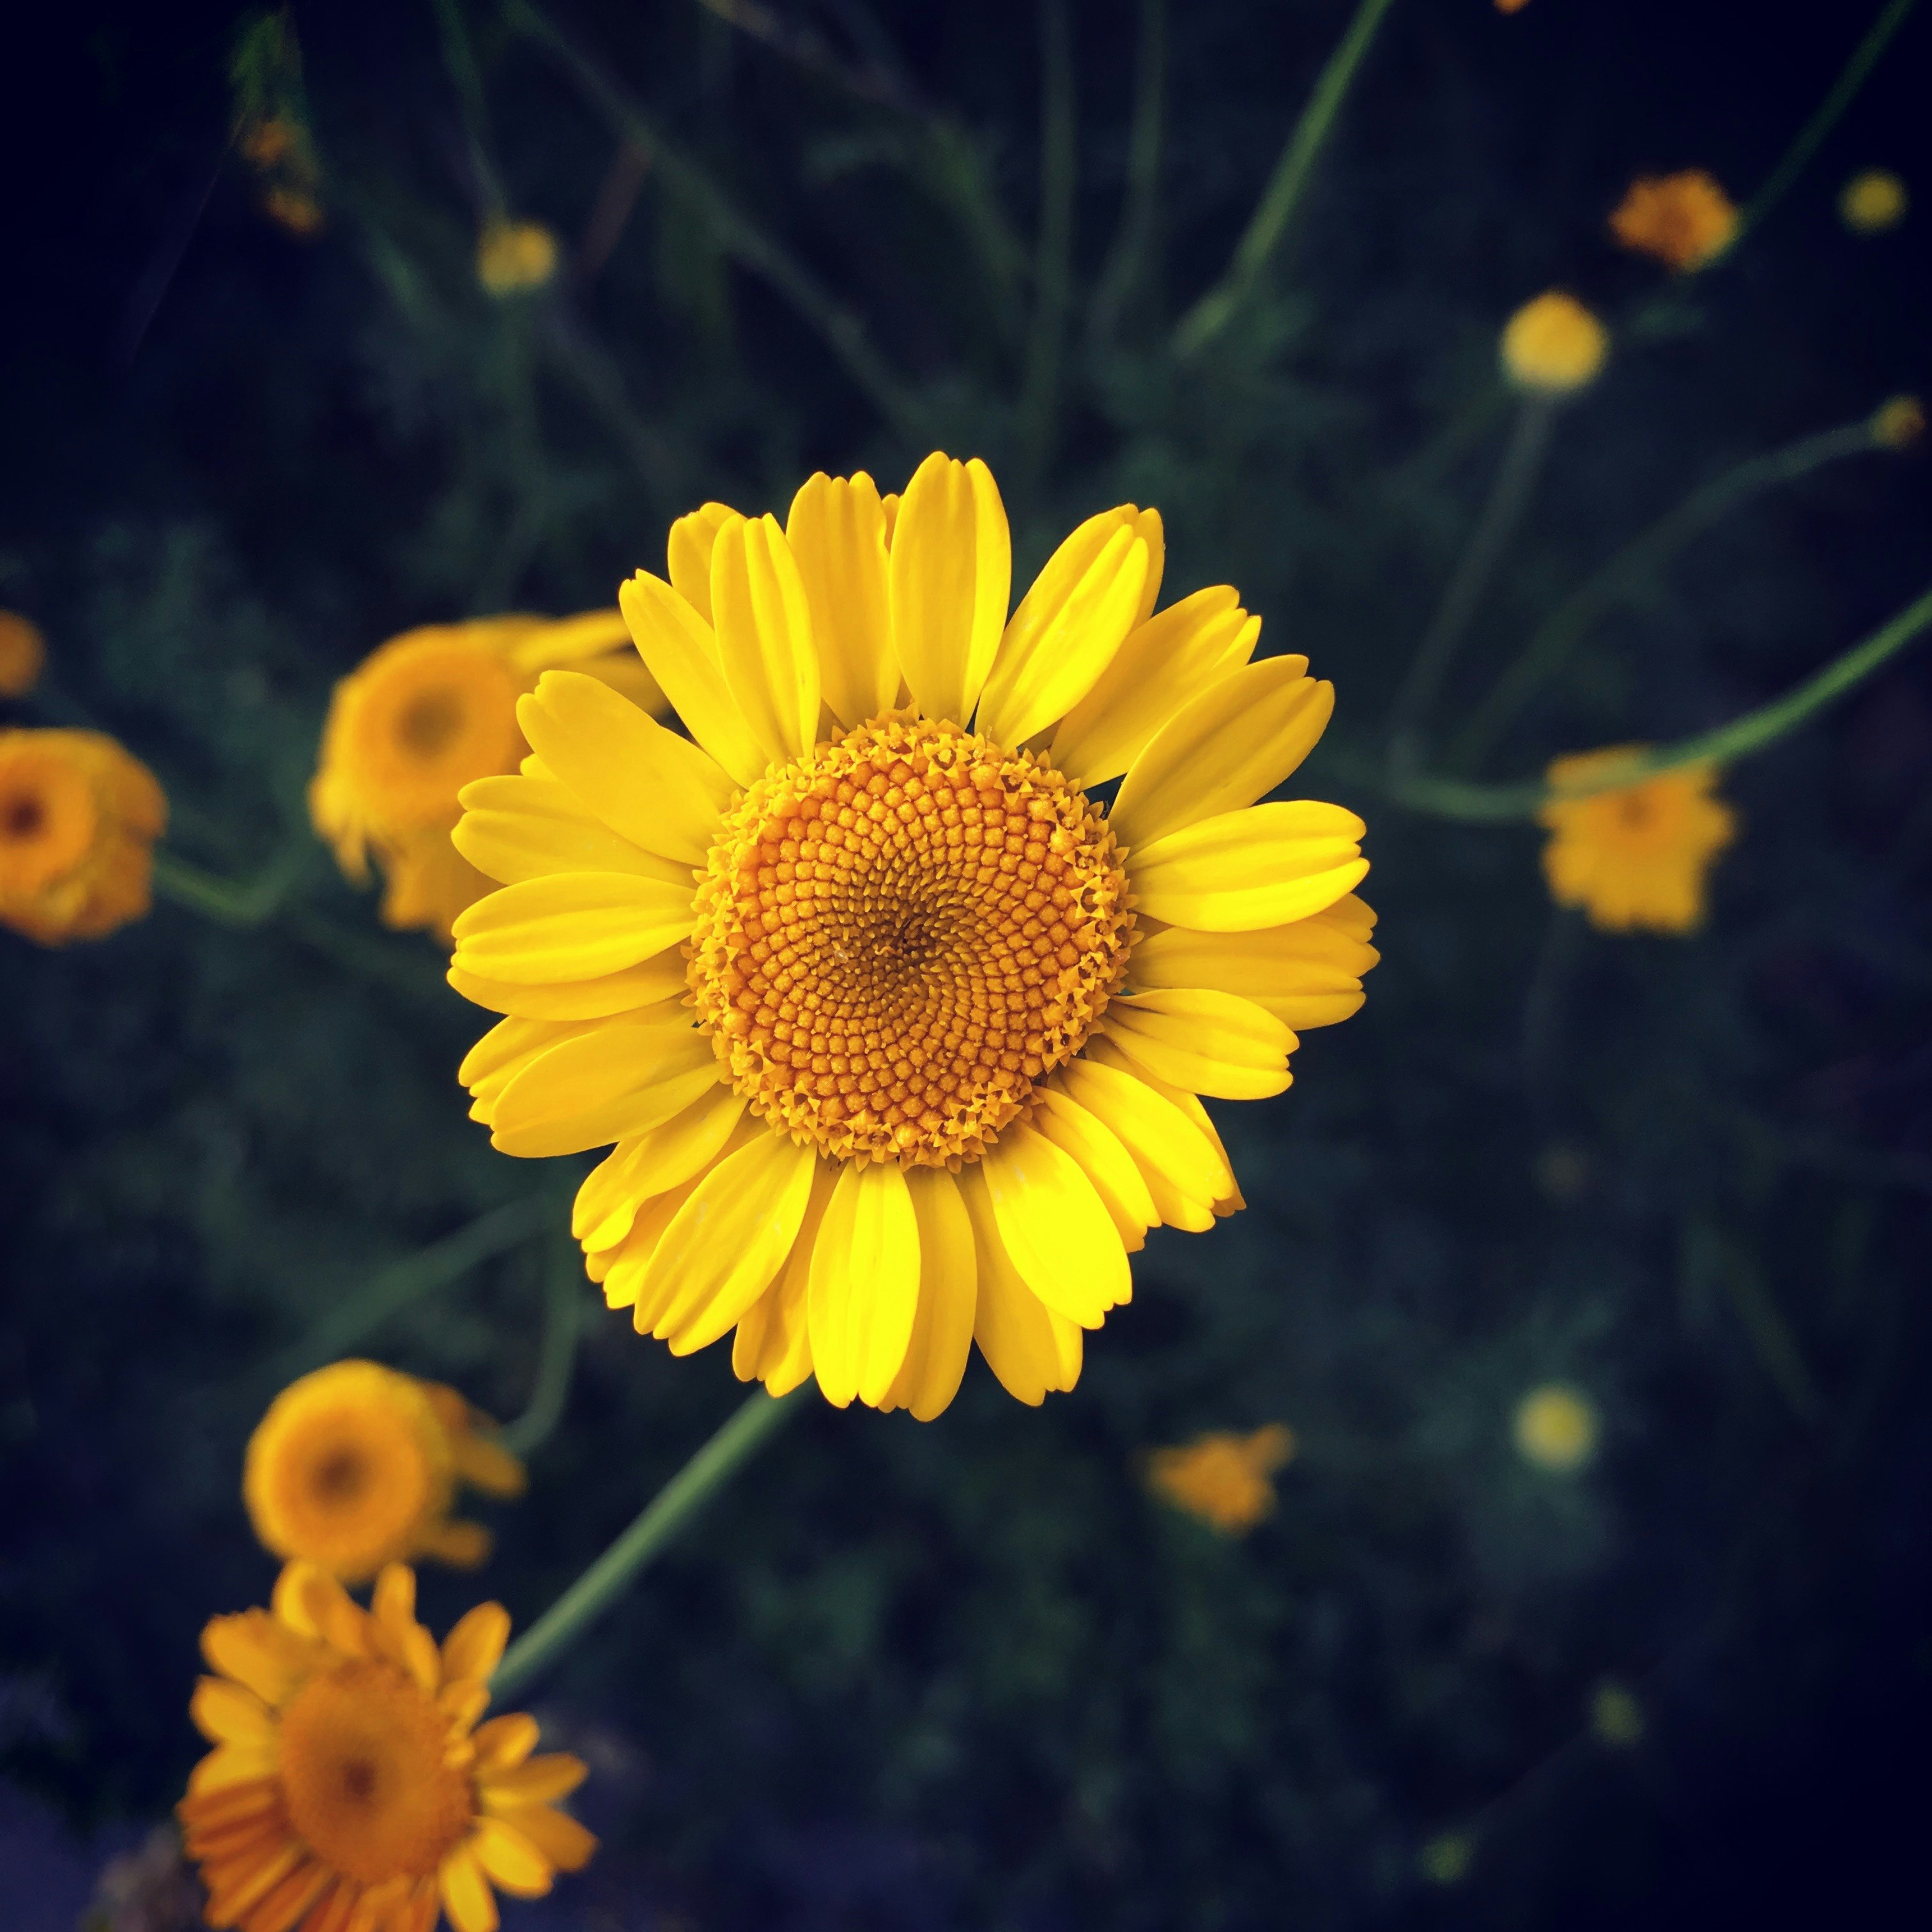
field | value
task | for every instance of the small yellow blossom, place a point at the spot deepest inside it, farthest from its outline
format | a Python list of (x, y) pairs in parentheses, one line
[(79, 817), (1223, 1479), (512, 256), (267, 144), (1553, 345), (23, 654), (356, 1465), (1616, 1718), (291, 208), (350, 1786), (1685, 220), (1898, 423), (1556, 1427), (1873, 201), (1635, 857)]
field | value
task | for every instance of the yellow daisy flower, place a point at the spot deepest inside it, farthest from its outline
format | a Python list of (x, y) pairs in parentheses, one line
[(356, 1465), (23, 654), (1553, 345), (419, 718), (1685, 220), (79, 817), (1224, 1480), (350, 1789), (1637, 857), (1556, 1428), (952, 1017), (513, 256)]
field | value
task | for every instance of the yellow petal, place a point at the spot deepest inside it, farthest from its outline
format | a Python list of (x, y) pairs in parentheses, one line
[(763, 628), (570, 640), (625, 1268), (560, 1838), (603, 1086), (252, 1648), (660, 977), (837, 532), (510, 1860), (1306, 974), (1266, 865), (728, 1240), (864, 1284), (1056, 1228), (1068, 627), (1183, 1174), (689, 553), (226, 1714), (1225, 1197), (678, 645), (505, 1051), (658, 790), (1030, 1349), (1103, 1158), (466, 1892), (1227, 746), (950, 574), (542, 1781), (1208, 1043), (574, 926), (652, 1163), (504, 1741), (773, 1343), (942, 1329), (516, 828), (1162, 663), (474, 1647), (627, 674)]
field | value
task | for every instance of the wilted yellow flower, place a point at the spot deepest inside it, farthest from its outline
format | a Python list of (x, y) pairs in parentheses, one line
[(942, 1078), (512, 256), (1223, 1479), (420, 718), (350, 1786), (1553, 345), (1616, 1718), (1872, 201), (79, 817), (356, 1465), (1898, 423), (1635, 857), (1556, 1427), (23, 654), (1685, 220)]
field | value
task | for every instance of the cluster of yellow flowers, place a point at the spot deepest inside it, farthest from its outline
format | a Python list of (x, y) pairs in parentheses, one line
[(351, 1787)]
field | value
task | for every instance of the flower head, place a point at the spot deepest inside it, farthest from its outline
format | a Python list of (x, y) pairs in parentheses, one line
[(421, 717), (900, 1037), (294, 209), (1636, 856), (356, 1465), (1556, 1428), (1686, 220), (23, 654), (1553, 345), (1898, 422), (1873, 201), (349, 1785), (79, 816), (1223, 1479), (513, 256)]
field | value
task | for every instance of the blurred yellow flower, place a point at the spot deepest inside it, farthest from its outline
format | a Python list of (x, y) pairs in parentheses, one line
[(1511, 6), (1553, 345), (1899, 422), (1685, 220), (420, 718), (79, 817), (356, 1465), (1873, 201), (1635, 857), (512, 256), (350, 1786), (301, 213), (1447, 1860), (1224, 1479), (1616, 1718), (23, 654), (1556, 1427)]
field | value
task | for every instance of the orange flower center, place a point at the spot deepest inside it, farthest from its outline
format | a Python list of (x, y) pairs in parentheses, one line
[(363, 1772), (901, 931), (49, 820)]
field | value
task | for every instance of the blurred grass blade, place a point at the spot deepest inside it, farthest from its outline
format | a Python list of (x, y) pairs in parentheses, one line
[(225, 901), (1053, 259), (1128, 267), (459, 60), (1710, 1253), (563, 1286)]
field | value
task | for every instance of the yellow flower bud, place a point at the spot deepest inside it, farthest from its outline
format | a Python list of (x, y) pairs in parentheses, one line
[(1553, 345)]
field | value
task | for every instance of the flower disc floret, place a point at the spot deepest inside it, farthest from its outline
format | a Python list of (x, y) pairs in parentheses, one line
[(902, 932)]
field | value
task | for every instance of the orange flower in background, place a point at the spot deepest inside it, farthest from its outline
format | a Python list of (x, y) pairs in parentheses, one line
[(350, 1789), (23, 654), (1223, 1479), (356, 1465), (1898, 422), (1511, 6), (420, 718), (513, 257), (1636, 858), (1685, 220), (79, 816)]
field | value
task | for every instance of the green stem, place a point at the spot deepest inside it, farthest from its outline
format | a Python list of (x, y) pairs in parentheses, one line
[(1499, 805), (841, 330), (1626, 573), (1522, 461), (1125, 271), (563, 1279), (240, 905), (1052, 279), (460, 60), (667, 1513), (1263, 237)]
